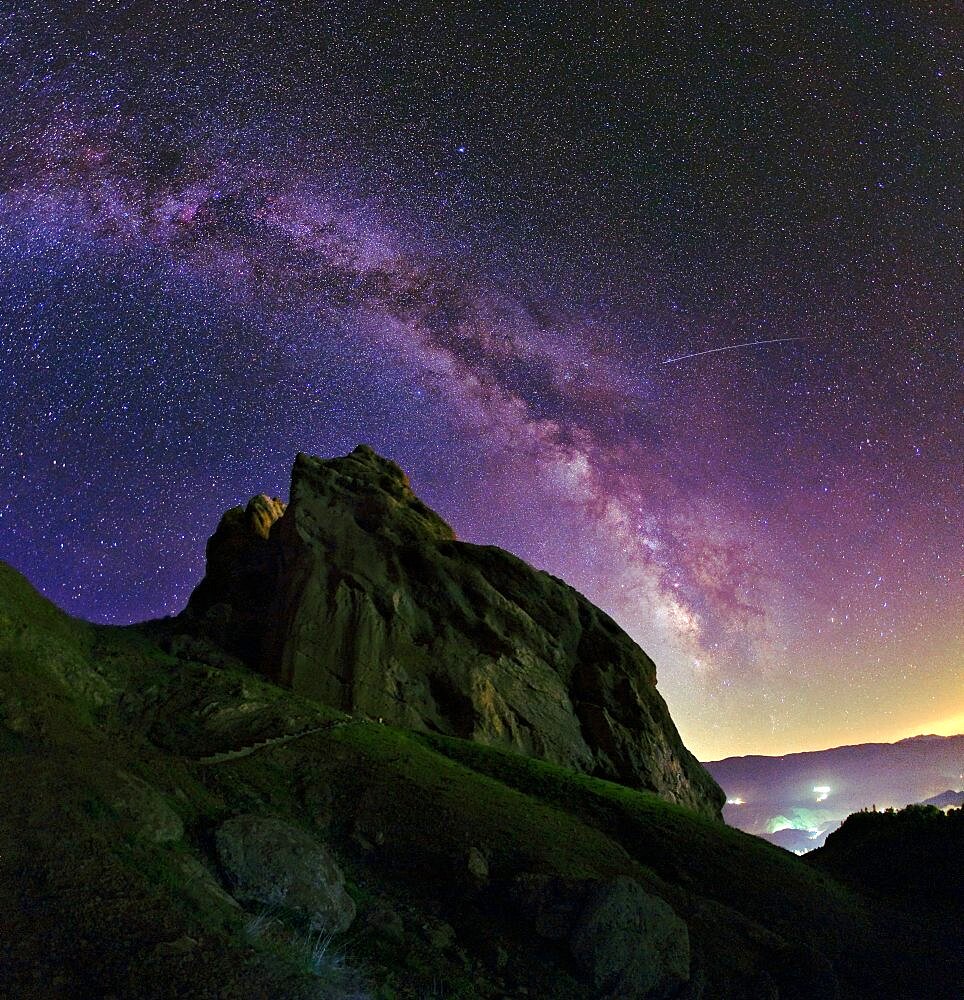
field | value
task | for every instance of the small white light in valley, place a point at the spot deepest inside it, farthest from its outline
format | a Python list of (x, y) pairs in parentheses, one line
[(821, 791), (735, 802)]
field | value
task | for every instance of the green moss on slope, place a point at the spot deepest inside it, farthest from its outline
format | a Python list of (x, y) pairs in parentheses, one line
[(87, 895), (690, 852)]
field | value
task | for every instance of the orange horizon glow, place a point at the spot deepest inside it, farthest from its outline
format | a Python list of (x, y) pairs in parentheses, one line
[(849, 707), (951, 725)]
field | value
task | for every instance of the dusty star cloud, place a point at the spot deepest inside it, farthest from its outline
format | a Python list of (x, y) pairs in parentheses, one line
[(473, 241)]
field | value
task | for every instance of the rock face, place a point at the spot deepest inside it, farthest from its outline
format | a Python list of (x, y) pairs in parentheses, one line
[(358, 595), (273, 863)]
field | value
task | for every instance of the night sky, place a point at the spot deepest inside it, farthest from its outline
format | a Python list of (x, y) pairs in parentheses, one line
[(230, 232)]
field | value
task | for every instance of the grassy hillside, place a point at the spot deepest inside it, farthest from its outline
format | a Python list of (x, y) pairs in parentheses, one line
[(111, 883)]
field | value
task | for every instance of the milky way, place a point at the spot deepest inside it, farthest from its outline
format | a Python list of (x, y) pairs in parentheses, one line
[(231, 234)]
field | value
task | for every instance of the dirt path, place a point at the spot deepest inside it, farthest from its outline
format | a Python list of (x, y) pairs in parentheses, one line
[(271, 741)]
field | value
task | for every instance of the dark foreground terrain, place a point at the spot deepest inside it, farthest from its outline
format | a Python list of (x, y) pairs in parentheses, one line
[(181, 827)]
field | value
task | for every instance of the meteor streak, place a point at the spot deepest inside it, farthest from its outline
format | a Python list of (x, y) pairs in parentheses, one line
[(731, 347)]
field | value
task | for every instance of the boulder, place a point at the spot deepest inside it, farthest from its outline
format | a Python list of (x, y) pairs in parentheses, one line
[(360, 596), (628, 943), (144, 810), (198, 884), (477, 865), (183, 945), (275, 864)]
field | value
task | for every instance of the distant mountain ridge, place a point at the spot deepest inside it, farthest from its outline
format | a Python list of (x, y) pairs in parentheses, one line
[(795, 800), (947, 799)]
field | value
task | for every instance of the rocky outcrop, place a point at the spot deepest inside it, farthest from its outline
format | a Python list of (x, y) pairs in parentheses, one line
[(360, 596), (241, 573), (274, 864)]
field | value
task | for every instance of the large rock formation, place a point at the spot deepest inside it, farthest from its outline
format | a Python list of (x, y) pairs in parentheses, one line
[(358, 595)]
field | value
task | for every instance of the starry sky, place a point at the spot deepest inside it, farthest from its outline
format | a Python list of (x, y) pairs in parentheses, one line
[(476, 236)]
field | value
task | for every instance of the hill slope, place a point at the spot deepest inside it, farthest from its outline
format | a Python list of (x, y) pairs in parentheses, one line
[(460, 870)]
